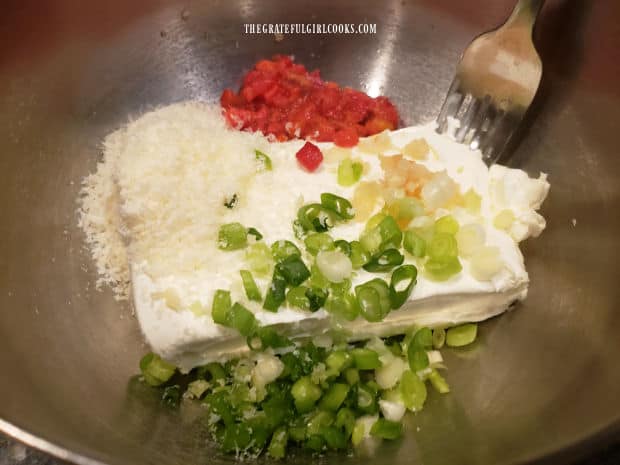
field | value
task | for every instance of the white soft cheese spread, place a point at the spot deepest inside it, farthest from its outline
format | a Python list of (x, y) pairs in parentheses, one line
[(174, 169)]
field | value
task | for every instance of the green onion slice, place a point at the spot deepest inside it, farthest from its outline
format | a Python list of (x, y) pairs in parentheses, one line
[(316, 242), (264, 160), (401, 284), (293, 270), (155, 370), (241, 319), (386, 429), (283, 249), (462, 335), (256, 233), (343, 246), (276, 293), (384, 261), (251, 289), (359, 255), (414, 244), (349, 172), (317, 297), (316, 217), (232, 236), (373, 298), (338, 204), (365, 359), (412, 391), (296, 297), (221, 305)]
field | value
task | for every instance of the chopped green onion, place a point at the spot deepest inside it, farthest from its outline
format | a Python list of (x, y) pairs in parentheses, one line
[(343, 246), (334, 437), (414, 244), (359, 255), (316, 217), (442, 247), (221, 305), (384, 261), (171, 396), (276, 293), (317, 279), (441, 270), (155, 370), (439, 338), (215, 370), (342, 304), (256, 233), (277, 446), (251, 289), (367, 398), (340, 205), (315, 443), (264, 160), (296, 297), (232, 236), (339, 360), (316, 242), (412, 391), (334, 397), (284, 249), (446, 224), (345, 419), (352, 376), (438, 382), (385, 235), (259, 259), (293, 270), (462, 335), (241, 319), (237, 436), (365, 359), (418, 358), (305, 394), (316, 297), (386, 429), (422, 339), (269, 337), (373, 298), (349, 172), (318, 421), (401, 284)]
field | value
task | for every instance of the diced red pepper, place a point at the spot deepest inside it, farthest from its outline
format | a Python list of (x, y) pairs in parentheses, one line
[(309, 156), (346, 137), (283, 99)]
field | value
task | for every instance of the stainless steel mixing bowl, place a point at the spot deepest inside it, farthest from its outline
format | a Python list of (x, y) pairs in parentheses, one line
[(543, 381)]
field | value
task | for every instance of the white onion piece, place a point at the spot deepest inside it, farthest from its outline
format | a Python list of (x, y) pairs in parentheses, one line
[(392, 411)]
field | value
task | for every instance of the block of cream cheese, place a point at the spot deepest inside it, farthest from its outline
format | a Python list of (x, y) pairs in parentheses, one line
[(176, 169)]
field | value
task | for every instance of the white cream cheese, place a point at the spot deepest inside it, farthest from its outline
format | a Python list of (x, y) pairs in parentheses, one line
[(171, 217)]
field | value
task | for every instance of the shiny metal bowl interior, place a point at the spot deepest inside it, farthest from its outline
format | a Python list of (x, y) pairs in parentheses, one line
[(543, 379)]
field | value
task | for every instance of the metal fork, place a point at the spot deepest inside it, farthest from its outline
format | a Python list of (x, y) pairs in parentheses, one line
[(494, 84)]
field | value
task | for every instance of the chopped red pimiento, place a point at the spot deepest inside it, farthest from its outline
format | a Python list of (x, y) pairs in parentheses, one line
[(309, 156), (282, 99)]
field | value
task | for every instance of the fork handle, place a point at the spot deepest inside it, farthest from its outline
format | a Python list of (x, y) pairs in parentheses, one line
[(524, 14)]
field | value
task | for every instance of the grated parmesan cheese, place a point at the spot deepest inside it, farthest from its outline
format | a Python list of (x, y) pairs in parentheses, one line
[(157, 198)]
